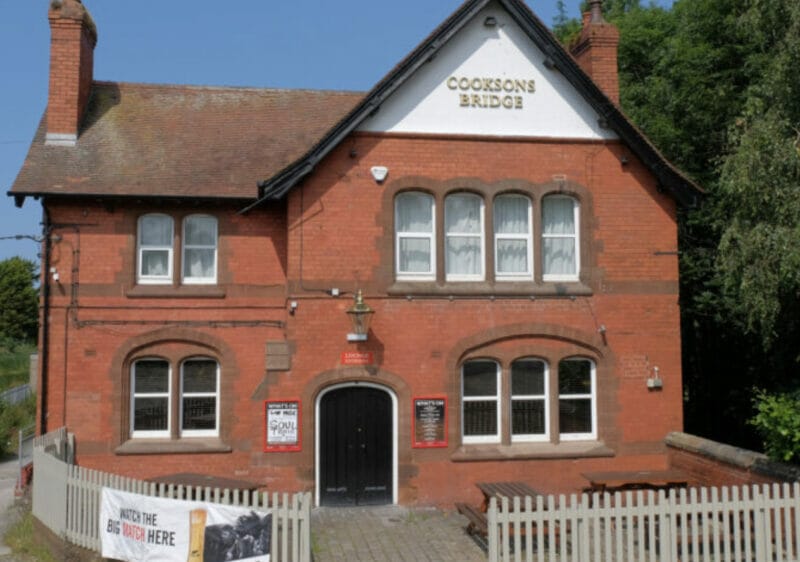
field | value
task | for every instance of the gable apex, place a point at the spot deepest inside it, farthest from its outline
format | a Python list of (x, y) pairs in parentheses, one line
[(490, 79)]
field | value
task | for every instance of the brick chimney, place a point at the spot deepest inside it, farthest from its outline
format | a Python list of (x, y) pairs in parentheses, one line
[(596, 50), (73, 36)]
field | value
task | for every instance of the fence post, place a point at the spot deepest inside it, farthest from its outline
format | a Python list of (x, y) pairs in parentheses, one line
[(759, 524), (19, 461), (491, 516)]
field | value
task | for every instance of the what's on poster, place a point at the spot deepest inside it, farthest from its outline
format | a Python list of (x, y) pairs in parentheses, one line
[(429, 420), (139, 528), (282, 425)]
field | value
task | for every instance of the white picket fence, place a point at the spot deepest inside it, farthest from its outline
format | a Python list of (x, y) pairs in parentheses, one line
[(747, 524), (66, 499)]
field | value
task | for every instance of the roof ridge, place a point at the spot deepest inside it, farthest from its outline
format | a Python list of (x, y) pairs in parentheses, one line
[(201, 87)]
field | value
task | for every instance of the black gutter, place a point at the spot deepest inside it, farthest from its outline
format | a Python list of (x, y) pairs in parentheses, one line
[(44, 360)]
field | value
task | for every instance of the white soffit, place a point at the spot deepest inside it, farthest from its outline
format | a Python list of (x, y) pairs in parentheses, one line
[(489, 80)]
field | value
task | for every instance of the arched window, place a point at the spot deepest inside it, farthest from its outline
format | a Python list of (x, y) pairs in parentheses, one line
[(154, 249), (150, 398), (415, 236), (530, 410), (156, 393), (577, 399), (560, 241), (464, 242), (199, 397), (513, 239), (480, 396)]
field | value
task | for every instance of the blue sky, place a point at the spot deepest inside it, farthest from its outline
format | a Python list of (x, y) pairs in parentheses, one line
[(318, 44)]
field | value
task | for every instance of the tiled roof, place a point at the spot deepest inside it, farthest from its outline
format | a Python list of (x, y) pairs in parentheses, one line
[(182, 141)]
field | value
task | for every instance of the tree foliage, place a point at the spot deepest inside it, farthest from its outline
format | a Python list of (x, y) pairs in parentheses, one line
[(19, 314), (714, 84), (777, 421)]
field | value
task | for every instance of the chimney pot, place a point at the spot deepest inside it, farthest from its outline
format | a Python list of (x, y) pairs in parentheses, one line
[(596, 11)]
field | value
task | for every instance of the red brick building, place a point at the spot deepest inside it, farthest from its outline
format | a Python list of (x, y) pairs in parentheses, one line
[(512, 234)]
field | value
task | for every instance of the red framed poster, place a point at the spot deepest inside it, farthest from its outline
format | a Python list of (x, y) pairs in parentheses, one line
[(282, 423), (429, 422)]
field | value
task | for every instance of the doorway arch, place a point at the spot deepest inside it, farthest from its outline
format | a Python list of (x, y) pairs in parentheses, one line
[(355, 442)]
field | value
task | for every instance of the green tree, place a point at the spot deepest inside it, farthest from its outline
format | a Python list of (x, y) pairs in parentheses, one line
[(777, 420), (713, 84), (758, 263), (19, 314)]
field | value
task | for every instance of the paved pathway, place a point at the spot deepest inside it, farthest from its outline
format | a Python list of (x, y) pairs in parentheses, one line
[(391, 533), (8, 481)]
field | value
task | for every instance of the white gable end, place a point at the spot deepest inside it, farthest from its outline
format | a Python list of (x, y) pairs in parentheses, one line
[(489, 80)]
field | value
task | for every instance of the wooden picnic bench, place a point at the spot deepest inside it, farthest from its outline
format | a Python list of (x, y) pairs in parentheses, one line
[(478, 525), (500, 490), (617, 481)]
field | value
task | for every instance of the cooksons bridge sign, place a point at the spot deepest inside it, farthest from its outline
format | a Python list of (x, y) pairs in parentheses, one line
[(491, 93)]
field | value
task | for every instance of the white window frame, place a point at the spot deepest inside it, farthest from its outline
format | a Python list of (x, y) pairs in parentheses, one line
[(187, 280), (200, 432), (401, 235), (528, 238), (576, 207), (141, 248), (530, 437), (471, 439), (150, 434), (592, 396), (481, 235)]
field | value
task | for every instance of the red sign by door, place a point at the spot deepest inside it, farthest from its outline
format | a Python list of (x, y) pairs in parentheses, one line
[(357, 358)]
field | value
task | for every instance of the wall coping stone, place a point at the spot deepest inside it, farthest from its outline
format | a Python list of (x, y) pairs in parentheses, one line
[(758, 463)]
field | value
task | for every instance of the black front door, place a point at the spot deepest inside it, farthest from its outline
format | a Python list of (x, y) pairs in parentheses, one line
[(355, 447)]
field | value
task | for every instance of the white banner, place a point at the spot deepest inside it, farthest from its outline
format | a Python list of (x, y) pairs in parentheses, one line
[(138, 528)]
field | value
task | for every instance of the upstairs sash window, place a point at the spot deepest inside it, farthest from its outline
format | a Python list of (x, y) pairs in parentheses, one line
[(415, 236), (513, 240), (155, 242), (463, 217), (199, 249), (560, 238)]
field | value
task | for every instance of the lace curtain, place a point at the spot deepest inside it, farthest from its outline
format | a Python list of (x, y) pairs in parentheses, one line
[(155, 242), (559, 240), (200, 247), (414, 217), (512, 230), (463, 230)]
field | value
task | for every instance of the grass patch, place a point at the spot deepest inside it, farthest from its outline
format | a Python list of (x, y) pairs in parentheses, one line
[(22, 539)]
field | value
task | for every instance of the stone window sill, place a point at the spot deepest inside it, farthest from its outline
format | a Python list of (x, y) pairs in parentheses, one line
[(521, 451), (173, 292), (196, 445), (490, 288)]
